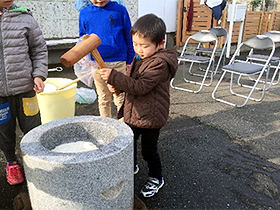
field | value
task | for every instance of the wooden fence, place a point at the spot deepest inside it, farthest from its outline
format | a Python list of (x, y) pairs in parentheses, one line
[(256, 22)]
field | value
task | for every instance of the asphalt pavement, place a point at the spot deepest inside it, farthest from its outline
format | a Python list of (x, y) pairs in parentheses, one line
[(214, 156)]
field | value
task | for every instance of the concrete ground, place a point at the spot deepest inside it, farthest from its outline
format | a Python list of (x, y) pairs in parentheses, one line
[(214, 156)]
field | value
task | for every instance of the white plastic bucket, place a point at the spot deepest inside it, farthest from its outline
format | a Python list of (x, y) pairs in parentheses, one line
[(57, 104)]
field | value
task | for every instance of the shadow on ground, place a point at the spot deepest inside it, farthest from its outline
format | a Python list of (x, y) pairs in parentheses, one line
[(203, 169)]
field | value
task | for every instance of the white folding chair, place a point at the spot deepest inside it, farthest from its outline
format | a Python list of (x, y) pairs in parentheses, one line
[(200, 37), (274, 63), (220, 51), (245, 67)]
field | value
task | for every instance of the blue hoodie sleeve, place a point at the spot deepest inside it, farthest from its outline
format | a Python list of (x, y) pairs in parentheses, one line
[(82, 29), (128, 38)]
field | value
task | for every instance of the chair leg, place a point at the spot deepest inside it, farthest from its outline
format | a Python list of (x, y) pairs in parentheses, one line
[(214, 69), (274, 75), (216, 88), (201, 84), (247, 97), (253, 88), (222, 57), (205, 76), (278, 80), (171, 83), (261, 81)]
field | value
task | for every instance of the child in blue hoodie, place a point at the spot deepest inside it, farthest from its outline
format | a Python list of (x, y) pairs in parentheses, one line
[(110, 21)]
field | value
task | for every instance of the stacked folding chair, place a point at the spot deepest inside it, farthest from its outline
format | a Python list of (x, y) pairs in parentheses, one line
[(274, 64), (238, 67), (195, 60), (221, 33)]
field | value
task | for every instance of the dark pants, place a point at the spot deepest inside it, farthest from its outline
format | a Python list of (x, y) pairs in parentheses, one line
[(149, 141), (24, 108), (217, 11)]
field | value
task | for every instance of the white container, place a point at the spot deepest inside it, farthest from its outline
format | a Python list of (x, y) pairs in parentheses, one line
[(239, 14)]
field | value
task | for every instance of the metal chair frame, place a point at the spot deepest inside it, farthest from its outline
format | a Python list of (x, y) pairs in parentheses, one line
[(247, 68), (274, 63), (219, 32), (200, 37)]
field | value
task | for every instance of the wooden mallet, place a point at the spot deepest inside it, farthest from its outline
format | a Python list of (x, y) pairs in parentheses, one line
[(88, 45)]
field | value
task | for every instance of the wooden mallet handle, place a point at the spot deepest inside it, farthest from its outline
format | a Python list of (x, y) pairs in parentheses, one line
[(88, 45), (74, 81), (97, 57), (101, 64)]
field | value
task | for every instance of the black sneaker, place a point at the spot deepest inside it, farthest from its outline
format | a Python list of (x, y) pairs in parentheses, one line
[(152, 187)]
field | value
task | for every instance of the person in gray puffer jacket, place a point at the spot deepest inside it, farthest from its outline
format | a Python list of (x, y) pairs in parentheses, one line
[(23, 68)]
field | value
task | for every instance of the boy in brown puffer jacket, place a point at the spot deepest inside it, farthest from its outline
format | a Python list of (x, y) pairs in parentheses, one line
[(23, 67), (146, 87)]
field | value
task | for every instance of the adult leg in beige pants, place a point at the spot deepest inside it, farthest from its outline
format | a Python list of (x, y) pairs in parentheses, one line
[(104, 95)]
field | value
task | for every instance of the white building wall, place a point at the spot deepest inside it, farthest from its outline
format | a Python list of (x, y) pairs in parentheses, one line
[(59, 19)]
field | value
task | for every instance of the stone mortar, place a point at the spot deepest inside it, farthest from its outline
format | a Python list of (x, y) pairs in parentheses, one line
[(98, 179)]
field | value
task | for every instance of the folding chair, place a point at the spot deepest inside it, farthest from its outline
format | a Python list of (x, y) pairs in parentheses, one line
[(220, 51), (274, 64), (200, 37), (247, 68)]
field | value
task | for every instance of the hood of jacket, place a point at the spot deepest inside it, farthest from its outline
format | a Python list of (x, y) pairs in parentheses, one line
[(170, 56), (15, 8), (20, 9)]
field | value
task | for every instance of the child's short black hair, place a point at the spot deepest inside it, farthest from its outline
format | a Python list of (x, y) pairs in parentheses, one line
[(150, 26)]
